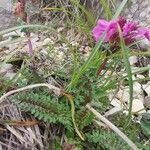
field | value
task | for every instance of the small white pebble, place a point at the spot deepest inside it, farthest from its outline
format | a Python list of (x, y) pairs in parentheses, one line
[(73, 43), (147, 101), (133, 60), (60, 56), (60, 29), (137, 88), (139, 76), (146, 88), (138, 107), (142, 14), (134, 8), (47, 41), (44, 52), (113, 111), (123, 95), (125, 112), (145, 3), (115, 102)]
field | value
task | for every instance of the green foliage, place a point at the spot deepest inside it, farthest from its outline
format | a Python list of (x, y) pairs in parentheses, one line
[(145, 124), (52, 110), (125, 52), (44, 107), (84, 86), (105, 140), (133, 130), (84, 118)]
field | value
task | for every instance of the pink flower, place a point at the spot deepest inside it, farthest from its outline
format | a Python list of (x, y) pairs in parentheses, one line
[(101, 27), (129, 28), (130, 31), (144, 32), (111, 29)]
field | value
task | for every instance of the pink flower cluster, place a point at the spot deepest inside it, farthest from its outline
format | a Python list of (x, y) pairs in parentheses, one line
[(130, 31)]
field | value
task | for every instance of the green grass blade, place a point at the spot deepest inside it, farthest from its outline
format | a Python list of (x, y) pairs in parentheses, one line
[(120, 8), (89, 15), (23, 26), (107, 10), (129, 73), (86, 64)]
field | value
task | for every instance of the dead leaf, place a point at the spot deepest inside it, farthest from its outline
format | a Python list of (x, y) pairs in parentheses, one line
[(20, 11), (23, 123), (18, 123)]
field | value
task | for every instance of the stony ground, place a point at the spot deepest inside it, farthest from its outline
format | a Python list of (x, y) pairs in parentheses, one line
[(28, 137)]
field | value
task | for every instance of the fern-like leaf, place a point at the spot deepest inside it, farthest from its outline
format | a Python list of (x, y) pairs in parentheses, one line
[(44, 107)]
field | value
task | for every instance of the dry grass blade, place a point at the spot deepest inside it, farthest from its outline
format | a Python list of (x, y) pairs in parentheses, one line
[(18, 135), (22, 123), (51, 87), (111, 126)]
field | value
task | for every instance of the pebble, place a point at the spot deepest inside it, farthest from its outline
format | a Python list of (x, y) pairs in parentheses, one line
[(123, 95), (134, 8), (147, 101), (133, 60), (10, 75), (6, 68), (142, 14), (146, 88), (139, 76), (137, 88), (138, 107), (115, 102), (47, 41), (113, 111)]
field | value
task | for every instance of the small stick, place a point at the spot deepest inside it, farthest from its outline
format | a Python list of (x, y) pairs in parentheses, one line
[(112, 126), (49, 86)]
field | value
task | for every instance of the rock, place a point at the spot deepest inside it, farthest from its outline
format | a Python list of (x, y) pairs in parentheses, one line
[(7, 71), (133, 60), (138, 107), (115, 102), (60, 56), (113, 111), (7, 19), (13, 33), (123, 95), (6, 68), (144, 44), (139, 76), (10, 75), (6, 4), (147, 101), (137, 88), (47, 41), (146, 88), (141, 8), (132, 11)]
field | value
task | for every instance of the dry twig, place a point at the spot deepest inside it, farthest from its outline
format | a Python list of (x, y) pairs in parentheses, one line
[(49, 86), (111, 126)]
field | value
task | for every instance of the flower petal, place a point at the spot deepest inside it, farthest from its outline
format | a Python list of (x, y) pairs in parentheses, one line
[(130, 31), (112, 31), (144, 32), (129, 27), (99, 29), (121, 21)]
